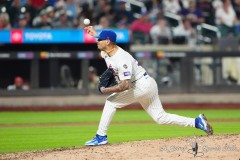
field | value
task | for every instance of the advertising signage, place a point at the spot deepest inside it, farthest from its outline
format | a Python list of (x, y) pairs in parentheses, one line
[(31, 36)]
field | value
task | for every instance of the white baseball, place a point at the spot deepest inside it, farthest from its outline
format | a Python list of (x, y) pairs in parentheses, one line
[(86, 21)]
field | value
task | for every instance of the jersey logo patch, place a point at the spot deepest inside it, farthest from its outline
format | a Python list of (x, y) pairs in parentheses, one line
[(126, 73), (125, 66)]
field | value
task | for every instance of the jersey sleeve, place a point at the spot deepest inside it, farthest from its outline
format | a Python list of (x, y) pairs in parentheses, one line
[(125, 70)]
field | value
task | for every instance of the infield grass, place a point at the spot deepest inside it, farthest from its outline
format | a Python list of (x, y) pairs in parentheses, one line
[(25, 131)]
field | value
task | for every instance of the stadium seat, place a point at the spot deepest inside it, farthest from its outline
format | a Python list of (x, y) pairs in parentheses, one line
[(208, 34)]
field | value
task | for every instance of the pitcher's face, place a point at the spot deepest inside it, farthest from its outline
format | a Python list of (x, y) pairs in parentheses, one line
[(102, 44)]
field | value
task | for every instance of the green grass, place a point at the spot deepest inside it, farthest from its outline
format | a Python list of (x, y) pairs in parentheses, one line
[(94, 116), (14, 139)]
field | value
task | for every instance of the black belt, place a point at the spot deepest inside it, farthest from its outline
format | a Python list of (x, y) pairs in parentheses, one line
[(145, 74)]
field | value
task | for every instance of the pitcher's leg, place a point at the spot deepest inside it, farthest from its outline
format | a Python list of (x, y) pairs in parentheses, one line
[(106, 118), (114, 101), (154, 108)]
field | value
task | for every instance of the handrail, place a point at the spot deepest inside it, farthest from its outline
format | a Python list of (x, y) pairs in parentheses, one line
[(174, 16), (136, 3), (208, 27), (212, 28)]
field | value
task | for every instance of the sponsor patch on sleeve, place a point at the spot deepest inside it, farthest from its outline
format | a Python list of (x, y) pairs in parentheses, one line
[(126, 73)]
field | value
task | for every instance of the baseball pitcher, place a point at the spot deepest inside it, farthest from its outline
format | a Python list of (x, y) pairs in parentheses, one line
[(131, 84)]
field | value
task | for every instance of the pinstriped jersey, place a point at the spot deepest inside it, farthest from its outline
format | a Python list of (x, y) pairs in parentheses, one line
[(123, 65)]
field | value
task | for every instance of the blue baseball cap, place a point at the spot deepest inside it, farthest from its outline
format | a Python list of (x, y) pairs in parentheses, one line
[(107, 34)]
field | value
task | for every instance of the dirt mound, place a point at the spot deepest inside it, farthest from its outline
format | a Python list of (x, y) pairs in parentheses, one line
[(217, 147)]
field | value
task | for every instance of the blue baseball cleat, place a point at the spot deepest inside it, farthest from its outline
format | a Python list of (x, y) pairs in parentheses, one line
[(201, 123), (97, 140)]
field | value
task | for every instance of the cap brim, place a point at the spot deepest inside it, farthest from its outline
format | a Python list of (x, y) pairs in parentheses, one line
[(97, 36)]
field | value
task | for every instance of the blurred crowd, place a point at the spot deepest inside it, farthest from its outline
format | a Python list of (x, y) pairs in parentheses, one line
[(149, 21), (144, 18)]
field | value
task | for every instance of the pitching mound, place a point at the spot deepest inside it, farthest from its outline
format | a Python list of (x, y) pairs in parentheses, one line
[(220, 147)]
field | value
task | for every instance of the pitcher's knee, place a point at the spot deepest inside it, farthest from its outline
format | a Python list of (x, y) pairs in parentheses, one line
[(109, 103), (159, 121), (160, 118)]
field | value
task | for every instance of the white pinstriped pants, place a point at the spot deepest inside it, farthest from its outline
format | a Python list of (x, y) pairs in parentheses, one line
[(144, 91)]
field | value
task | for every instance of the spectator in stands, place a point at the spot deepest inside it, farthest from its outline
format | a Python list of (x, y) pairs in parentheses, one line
[(185, 33), (52, 2), (122, 24), (156, 10), (86, 11), (102, 9), (217, 4), (140, 29), (14, 11), (50, 13), (122, 13), (226, 18), (59, 5), (193, 14), (184, 3), (38, 4), (23, 2), (73, 8), (76, 23), (207, 10), (63, 21), (19, 84), (103, 23), (43, 22), (90, 3), (28, 19), (171, 6), (161, 33), (31, 12), (4, 21), (111, 16), (154, 4), (22, 22)]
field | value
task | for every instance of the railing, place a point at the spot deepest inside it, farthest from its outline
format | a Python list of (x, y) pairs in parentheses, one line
[(174, 20), (137, 4), (205, 36)]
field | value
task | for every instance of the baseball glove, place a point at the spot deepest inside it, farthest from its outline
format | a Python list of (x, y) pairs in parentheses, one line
[(107, 79)]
